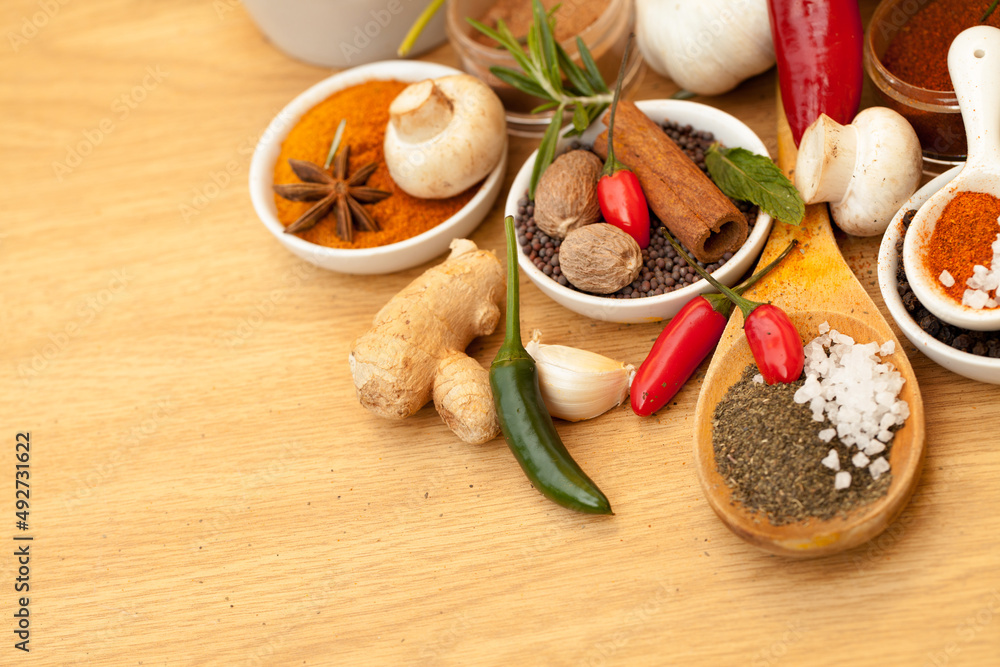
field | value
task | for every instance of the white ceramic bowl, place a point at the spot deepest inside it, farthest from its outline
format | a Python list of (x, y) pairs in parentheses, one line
[(382, 259), (982, 369), (728, 130)]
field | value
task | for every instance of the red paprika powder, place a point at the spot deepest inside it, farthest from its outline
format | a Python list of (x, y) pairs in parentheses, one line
[(962, 238), (918, 54)]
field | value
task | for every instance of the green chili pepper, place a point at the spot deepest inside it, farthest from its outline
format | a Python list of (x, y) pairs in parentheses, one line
[(525, 421)]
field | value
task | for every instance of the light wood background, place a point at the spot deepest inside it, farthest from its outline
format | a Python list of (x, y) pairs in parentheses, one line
[(206, 489)]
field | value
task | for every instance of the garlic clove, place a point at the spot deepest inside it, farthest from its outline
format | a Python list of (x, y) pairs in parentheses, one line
[(578, 384)]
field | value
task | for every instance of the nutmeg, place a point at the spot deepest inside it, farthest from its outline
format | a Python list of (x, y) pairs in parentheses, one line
[(600, 258), (566, 196)]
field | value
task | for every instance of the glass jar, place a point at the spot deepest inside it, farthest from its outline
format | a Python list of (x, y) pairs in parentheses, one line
[(605, 37), (934, 114)]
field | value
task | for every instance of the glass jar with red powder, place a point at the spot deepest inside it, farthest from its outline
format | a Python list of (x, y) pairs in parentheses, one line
[(906, 57)]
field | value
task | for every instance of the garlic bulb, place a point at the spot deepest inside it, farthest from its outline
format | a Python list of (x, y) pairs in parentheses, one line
[(577, 384), (705, 46)]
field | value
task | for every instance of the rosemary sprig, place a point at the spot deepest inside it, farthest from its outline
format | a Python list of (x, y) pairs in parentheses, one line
[(335, 144), (989, 11), (544, 67)]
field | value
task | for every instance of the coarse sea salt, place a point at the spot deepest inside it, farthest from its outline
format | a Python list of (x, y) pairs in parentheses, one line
[(847, 384), (842, 480), (946, 279), (832, 460), (878, 466), (758, 379), (983, 281)]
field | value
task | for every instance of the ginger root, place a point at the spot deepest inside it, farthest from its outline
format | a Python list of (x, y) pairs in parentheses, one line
[(416, 346)]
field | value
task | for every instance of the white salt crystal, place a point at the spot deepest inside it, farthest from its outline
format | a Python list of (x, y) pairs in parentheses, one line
[(885, 398), (859, 460), (842, 480), (850, 415), (991, 281), (884, 435), (878, 466), (825, 326), (888, 347), (979, 277), (875, 447), (758, 379), (832, 461), (842, 339), (975, 298), (946, 279), (826, 435)]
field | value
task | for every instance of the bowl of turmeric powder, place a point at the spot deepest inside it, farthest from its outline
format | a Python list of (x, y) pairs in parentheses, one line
[(320, 183)]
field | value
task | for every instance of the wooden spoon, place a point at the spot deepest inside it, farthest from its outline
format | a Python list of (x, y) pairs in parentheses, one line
[(812, 286)]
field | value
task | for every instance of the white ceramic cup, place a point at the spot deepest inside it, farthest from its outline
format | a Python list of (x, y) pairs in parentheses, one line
[(343, 33)]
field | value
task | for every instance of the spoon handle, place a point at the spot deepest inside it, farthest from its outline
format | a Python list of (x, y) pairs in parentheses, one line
[(974, 65)]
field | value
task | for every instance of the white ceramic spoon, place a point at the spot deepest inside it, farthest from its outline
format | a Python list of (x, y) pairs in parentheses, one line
[(974, 65)]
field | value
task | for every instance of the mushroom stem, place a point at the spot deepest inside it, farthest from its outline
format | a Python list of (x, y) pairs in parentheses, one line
[(420, 112), (828, 155)]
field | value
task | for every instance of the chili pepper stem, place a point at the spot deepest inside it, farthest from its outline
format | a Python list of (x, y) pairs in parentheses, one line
[(746, 305), (511, 348), (722, 304), (612, 165)]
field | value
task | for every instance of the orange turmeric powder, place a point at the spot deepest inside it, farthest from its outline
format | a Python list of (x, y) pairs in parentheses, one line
[(366, 110)]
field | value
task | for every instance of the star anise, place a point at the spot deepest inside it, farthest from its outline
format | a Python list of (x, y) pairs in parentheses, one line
[(343, 193)]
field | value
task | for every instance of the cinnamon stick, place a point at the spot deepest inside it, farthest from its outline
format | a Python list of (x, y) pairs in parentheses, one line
[(685, 200)]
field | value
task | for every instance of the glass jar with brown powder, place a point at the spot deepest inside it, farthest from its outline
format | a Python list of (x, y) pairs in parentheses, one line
[(603, 25)]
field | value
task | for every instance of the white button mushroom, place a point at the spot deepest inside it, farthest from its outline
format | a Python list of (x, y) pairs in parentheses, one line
[(444, 135), (866, 170)]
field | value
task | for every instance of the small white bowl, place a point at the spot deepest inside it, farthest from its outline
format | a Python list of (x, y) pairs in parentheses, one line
[(382, 259), (728, 130), (973, 366)]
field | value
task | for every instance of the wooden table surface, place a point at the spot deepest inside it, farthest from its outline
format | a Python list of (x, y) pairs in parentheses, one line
[(206, 489)]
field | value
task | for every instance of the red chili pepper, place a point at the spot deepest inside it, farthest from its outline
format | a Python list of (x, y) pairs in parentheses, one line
[(775, 343), (818, 45), (683, 344), (623, 204), (773, 340), (679, 349), (618, 191)]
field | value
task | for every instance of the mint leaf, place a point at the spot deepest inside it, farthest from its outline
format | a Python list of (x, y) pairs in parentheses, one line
[(741, 174)]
